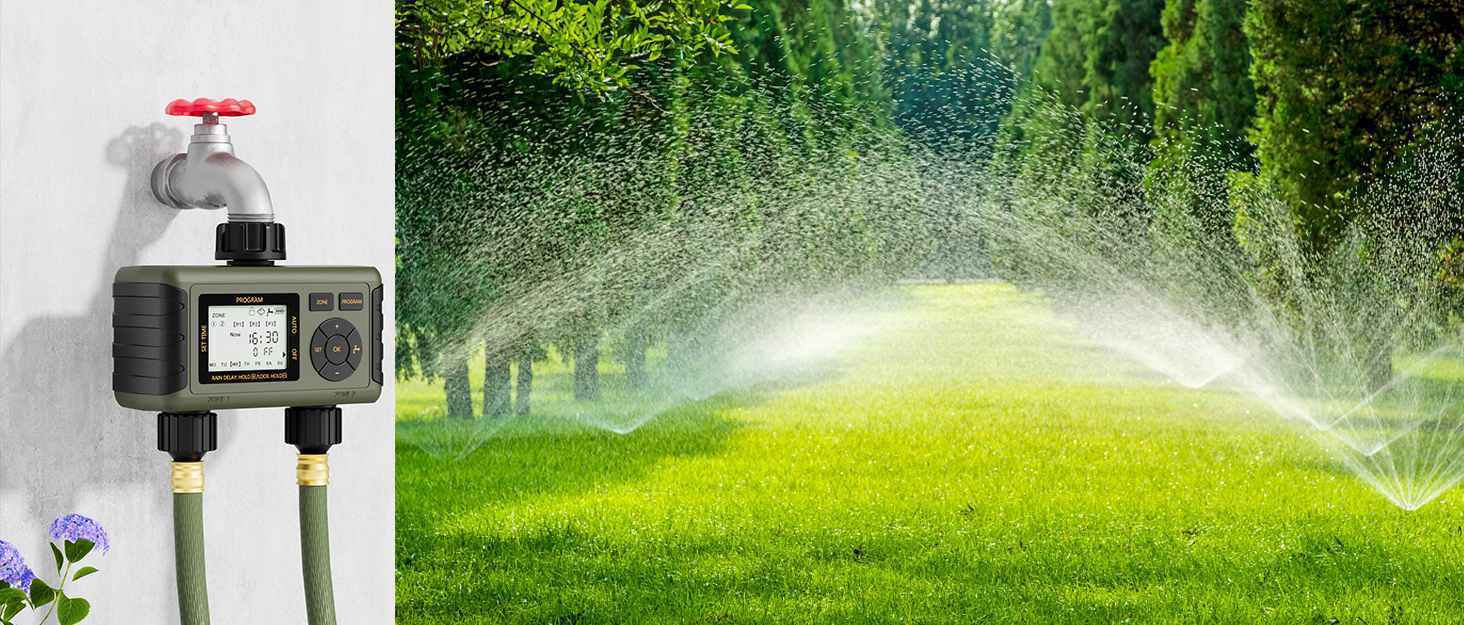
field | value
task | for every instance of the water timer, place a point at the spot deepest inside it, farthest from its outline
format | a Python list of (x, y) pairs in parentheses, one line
[(208, 337)]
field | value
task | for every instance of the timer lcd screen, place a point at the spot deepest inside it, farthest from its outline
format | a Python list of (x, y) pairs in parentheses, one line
[(250, 337), (247, 338)]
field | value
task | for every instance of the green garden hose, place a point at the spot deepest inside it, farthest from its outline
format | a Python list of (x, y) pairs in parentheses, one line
[(315, 540), (188, 542)]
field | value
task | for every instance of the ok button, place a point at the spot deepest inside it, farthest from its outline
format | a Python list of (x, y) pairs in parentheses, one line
[(337, 349)]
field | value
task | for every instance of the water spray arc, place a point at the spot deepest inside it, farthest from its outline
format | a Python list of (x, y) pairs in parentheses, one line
[(190, 339), (1196, 271)]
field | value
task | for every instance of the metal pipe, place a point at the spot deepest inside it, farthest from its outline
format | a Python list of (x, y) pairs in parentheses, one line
[(209, 176)]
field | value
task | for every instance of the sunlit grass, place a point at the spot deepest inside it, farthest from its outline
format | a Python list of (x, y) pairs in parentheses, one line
[(970, 462)]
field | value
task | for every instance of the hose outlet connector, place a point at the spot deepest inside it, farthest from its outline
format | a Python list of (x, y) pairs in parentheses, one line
[(188, 477), (313, 429), (312, 470), (187, 436)]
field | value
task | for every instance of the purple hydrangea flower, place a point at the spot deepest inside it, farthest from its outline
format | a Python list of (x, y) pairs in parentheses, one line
[(74, 527), (13, 569)]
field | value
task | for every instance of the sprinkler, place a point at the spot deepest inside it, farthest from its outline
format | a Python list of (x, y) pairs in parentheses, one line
[(192, 339)]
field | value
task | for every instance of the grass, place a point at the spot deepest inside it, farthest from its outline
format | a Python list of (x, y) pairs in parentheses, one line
[(969, 462)]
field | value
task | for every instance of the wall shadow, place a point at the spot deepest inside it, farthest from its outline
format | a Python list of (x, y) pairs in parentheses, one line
[(63, 430)]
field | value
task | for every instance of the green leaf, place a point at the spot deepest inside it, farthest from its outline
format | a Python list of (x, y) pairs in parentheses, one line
[(85, 571), (75, 551), (56, 552), (12, 601), (70, 611), (41, 594), (12, 608)]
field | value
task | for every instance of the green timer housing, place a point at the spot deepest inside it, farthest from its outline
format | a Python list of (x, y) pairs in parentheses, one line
[(187, 338)]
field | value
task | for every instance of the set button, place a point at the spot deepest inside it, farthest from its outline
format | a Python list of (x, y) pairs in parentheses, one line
[(335, 349)]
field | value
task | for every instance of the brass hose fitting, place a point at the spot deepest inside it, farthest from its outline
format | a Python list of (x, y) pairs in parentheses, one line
[(188, 477), (312, 470)]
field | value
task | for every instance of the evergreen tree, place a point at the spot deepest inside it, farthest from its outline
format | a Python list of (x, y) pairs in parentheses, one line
[(1202, 87), (1342, 89), (1204, 101), (1017, 30), (1097, 57)]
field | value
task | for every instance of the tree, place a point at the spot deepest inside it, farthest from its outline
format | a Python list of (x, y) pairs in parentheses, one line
[(1342, 89), (1017, 30), (1203, 92), (1204, 101), (583, 44), (1097, 57), (734, 182)]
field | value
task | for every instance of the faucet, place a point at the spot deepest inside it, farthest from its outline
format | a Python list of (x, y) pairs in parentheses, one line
[(209, 176)]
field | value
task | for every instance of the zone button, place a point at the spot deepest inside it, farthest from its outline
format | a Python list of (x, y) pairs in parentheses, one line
[(322, 301)]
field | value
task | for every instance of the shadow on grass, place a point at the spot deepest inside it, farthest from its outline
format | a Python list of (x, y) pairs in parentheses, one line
[(529, 458), (544, 458), (539, 458)]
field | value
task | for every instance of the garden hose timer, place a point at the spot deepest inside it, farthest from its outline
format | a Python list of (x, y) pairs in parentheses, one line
[(191, 338), (248, 334)]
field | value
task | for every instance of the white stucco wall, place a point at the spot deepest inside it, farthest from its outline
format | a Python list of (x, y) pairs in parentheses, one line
[(82, 91)]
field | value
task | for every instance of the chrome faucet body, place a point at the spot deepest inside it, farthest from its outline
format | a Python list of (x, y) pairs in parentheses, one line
[(209, 176)]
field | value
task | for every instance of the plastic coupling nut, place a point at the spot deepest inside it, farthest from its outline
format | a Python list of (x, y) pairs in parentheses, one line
[(188, 477), (250, 242), (187, 436), (313, 429), (312, 470)]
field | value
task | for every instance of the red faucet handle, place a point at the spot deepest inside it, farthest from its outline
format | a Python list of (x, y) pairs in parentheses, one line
[(228, 107)]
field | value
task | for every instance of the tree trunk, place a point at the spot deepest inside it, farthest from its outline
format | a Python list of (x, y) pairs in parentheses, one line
[(525, 382), (455, 384), (635, 358), (587, 368), (497, 399)]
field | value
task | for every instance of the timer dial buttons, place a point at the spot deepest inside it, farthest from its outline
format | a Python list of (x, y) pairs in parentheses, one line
[(353, 355), (335, 350)]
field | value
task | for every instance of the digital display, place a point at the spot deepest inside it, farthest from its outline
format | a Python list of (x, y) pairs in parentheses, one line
[(248, 338)]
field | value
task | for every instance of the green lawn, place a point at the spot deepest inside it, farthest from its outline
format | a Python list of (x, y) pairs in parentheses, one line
[(968, 462)]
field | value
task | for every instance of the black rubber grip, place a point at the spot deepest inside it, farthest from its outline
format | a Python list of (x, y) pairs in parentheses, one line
[(187, 436), (377, 348), (313, 429), (149, 338), (250, 242)]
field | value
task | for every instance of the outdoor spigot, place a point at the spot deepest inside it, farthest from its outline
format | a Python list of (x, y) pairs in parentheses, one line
[(209, 176)]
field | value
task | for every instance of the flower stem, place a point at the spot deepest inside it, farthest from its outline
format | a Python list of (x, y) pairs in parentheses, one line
[(57, 600)]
